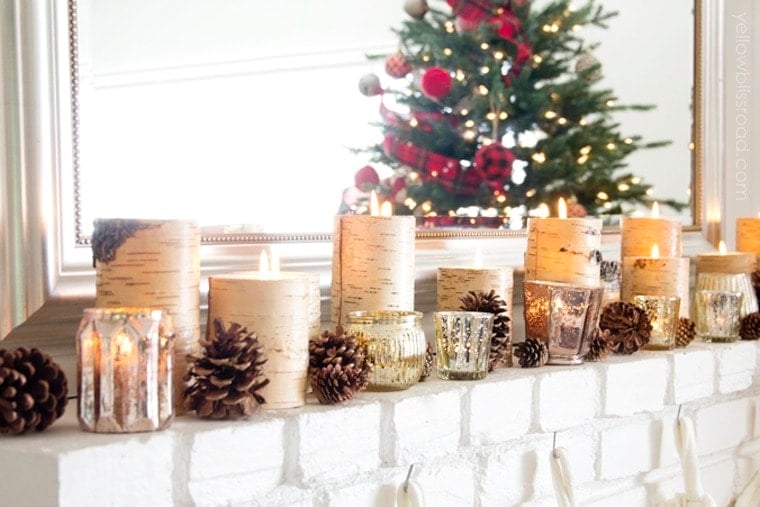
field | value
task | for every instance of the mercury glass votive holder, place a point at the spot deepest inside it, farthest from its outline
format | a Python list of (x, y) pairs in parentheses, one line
[(462, 344), (395, 345), (124, 370), (562, 316), (718, 315), (730, 282), (663, 315)]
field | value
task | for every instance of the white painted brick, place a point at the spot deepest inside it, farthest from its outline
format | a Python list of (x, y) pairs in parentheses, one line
[(718, 481), (635, 386), (254, 449), (229, 489), (693, 375), (451, 485), (426, 426), (629, 497), (285, 496), (627, 450), (722, 426), (567, 398), (747, 465), (335, 442), (507, 477), (365, 494), (500, 411), (736, 366), (755, 409)]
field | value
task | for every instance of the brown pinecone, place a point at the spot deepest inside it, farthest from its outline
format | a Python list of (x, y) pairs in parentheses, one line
[(531, 353), (33, 390), (686, 331), (429, 363), (756, 283), (599, 346), (337, 366), (750, 327), (610, 271), (629, 326), (501, 339), (224, 382)]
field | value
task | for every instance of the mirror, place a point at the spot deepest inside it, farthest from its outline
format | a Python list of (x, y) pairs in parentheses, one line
[(246, 111)]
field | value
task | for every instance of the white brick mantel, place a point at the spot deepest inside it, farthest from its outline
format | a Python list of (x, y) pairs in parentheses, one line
[(475, 443)]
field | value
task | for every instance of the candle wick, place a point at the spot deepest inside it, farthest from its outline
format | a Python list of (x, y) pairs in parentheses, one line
[(408, 477)]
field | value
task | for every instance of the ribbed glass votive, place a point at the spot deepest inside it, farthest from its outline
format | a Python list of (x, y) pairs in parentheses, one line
[(463, 342), (395, 344), (718, 315), (124, 368)]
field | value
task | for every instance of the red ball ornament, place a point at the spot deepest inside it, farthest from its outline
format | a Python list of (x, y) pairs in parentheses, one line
[(507, 25), (366, 178), (436, 83), (495, 162), (396, 66)]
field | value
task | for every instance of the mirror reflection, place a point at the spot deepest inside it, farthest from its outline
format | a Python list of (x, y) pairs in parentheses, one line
[(244, 115)]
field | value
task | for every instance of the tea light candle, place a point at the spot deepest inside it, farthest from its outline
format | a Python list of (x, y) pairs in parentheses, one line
[(656, 276), (373, 263), (748, 234), (279, 307), (639, 233), (724, 270)]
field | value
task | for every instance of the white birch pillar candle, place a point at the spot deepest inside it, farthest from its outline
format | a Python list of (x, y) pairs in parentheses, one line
[(728, 271), (154, 263), (748, 235), (562, 249), (640, 233), (656, 276), (278, 307), (373, 264)]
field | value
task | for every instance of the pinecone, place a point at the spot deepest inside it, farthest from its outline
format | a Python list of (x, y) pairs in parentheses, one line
[(429, 363), (501, 340), (337, 366), (223, 383), (756, 283), (531, 353), (610, 272), (685, 332), (599, 346), (629, 326), (33, 390), (750, 327)]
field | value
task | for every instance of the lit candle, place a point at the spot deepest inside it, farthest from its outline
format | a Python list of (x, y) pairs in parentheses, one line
[(279, 307), (748, 235), (654, 275), (724, 270), (562, 249), (638, 233), (373, 262)]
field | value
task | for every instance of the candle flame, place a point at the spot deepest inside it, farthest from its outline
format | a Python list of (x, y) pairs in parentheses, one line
[(264, 262), (123, 344), (478, 257), (374, 206), (542, 211), (655, 210), (274, 264), (722, 248), (562, 208), (386, 209), (656, 251)]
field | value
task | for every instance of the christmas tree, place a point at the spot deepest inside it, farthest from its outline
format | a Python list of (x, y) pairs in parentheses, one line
[(495, 106)]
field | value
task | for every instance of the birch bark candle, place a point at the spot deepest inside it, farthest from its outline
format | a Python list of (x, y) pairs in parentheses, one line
[(453, 283), (728, 271), (154, 263), (373, 263), (640, 233), (748, 235), (564, 249), (278, 307), (656, 276)]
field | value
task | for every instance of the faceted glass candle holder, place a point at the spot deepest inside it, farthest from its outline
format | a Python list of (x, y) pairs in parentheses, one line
[(395, 344), (463, 343), (124, 368), (663, 315), (563, 317), (718, 315)]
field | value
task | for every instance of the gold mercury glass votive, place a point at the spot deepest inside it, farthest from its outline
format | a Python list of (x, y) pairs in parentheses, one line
[(718, 315), (395, 344), (663, 312), (562, 316), (463, 343), (124, 369)]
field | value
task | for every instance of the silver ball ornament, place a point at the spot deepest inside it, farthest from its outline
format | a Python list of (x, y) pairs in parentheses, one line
[(369, 85), (416, 8), (585, 62)]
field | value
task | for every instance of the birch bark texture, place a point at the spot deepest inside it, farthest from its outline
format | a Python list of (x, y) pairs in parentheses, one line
[(279, 309), (657, 276), (373, 264), (748, 235), (564, 250), (454, 283), (640, 233), (153, 263)]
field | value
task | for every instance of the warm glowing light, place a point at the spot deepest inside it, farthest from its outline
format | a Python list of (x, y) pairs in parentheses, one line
[(611, 146), (550, 115), (447, 51), (537, 59), (539, 157), (425, 58), (464, 112), (543, 210), (413, 122), (264, 262), (274, 264), (635, 180), (722, 248), (649, 191), (450, 27), (577, 28), (374, 206), (484, 70), (655, 251), (628, 140), (602, 196), (478, 263), (562, 208), (123, 344), (586, 150), (531, 193), (503, 115), (501, 199), (386, 209), (459, 75), (491, 116), (582, 122), (482, 89), (655, 210), (484, 46), (469, 124), (562, 121), (582, 159), (624, 187), (469, 135), (427, 206), (498, 55), (410, 203), (692, 146), (610, 103)]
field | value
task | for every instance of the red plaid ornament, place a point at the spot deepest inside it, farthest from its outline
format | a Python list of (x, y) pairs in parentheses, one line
[(396, 66), (495, 162), (474, 10)]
